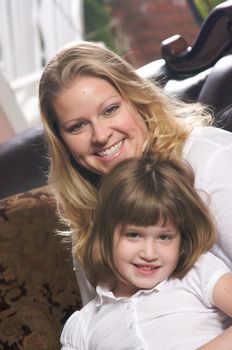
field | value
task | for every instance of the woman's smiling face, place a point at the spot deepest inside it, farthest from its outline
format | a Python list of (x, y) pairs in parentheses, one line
[(98, 127)]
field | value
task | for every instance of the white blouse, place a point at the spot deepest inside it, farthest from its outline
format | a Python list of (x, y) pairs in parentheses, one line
[(176, 314)]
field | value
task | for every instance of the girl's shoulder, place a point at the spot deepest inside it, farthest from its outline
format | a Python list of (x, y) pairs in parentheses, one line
[(208, 267), (76, 327), (204, 275), (208, 262)]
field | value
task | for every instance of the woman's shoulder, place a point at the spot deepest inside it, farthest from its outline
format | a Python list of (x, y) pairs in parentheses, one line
[(209, 136), (206, 146)]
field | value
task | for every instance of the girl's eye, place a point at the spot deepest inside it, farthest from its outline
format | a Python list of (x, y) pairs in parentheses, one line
[(133, 235), (111, 109), (165, 237), (77, 127)]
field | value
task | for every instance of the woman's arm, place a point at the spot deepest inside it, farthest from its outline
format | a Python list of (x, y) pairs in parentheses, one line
[(216, 175), (223, 301), (209, 152), (86, 289)]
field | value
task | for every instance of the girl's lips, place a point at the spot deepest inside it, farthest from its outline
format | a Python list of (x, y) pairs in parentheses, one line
[(146, 269), (111, 151)]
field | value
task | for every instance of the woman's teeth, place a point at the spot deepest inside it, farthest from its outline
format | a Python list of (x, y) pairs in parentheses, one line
[(111, 151)]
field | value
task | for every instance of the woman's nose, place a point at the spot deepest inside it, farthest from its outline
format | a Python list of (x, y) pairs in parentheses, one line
[(100, 133)]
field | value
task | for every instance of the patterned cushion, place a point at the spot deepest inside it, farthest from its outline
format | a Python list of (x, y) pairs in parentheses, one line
[(38, 289)]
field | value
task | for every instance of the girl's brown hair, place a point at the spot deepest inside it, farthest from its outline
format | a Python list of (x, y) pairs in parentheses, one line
[(145, 192)]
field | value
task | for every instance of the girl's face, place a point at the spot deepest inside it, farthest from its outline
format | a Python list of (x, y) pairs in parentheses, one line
[(144, 256), (97, 125)]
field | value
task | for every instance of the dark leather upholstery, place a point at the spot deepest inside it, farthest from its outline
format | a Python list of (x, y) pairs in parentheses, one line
[(23, 160), (202, 72), (212, 86), (213, 41)]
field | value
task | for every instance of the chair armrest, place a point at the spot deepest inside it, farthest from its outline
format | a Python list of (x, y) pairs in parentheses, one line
[(213, 41)]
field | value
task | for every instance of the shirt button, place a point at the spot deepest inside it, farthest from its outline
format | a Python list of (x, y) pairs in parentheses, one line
[(131, 325), (128, 306)]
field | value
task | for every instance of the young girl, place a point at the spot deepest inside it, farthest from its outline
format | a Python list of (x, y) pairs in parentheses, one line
[(157, 285)]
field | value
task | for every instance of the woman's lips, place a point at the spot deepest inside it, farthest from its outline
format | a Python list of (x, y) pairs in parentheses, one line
[(111, 151)]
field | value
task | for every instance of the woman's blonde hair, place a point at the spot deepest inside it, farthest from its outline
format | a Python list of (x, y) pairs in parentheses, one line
[(168, 120), (146, 192)]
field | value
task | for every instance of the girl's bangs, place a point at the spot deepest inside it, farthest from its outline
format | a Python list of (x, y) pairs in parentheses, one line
[(147, 211)]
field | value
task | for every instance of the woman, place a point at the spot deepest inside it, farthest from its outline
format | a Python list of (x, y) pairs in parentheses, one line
[(96, 112)]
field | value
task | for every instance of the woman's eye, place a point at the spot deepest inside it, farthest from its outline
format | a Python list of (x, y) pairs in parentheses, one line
[(75, 128), (111, 109)]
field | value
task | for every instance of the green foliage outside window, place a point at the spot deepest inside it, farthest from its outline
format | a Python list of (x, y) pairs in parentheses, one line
[(205, 6), (97, 17)]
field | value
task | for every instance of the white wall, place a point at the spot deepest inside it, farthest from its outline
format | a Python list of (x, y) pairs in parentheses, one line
[(31, 31)]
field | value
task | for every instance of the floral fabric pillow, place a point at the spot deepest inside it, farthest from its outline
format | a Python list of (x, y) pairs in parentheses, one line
[(38, 289)]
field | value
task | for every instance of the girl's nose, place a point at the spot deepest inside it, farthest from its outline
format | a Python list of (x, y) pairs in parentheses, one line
[(100, 133), (149, 251)]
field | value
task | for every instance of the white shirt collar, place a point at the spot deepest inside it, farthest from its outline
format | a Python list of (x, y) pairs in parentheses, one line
[(104, 292)]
